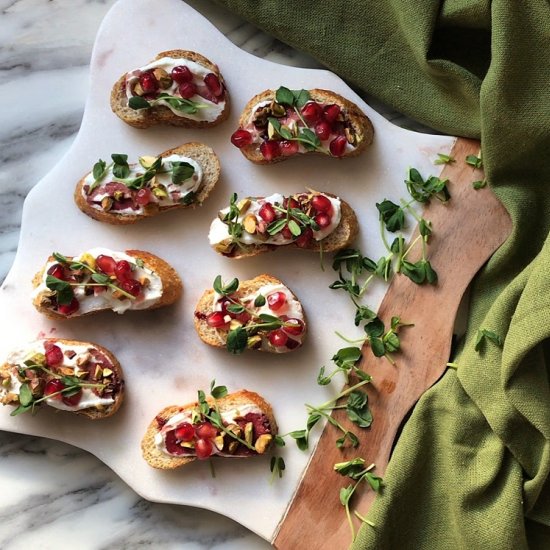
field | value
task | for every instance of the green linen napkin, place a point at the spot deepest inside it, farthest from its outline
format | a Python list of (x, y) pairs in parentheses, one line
[(470, 469)]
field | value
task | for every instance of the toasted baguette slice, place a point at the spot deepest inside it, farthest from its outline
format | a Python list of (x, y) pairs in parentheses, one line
[(242, 399), (200, 153), (283, 339), (359, 128), (71, 359), (342, 237), (160, 284), (160, 114)]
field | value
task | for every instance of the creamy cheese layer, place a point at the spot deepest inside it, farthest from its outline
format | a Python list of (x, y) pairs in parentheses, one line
[(18, 357), (150, 295), (219, 231), (228, 417), (190, 185), (209, 111)]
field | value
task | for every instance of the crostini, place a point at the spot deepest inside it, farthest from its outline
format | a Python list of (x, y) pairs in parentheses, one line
[(121, 193), (102, 279), (261, 314), (238, 425), (310, 220), (278, 124), (79, 377), (178, 88)]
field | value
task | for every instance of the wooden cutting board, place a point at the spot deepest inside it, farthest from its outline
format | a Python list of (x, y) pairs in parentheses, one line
[(458, 250)]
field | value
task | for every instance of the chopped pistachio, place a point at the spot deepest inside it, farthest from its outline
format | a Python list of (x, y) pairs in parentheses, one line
[(243, 205), (6, 382), (163, 78), (218, 442), (37, 359), (234, 324), (249, 223), (107, 372), (160, 192), (147, 162), (254, 342), (138, 90), (248, 432), (262, 443), (88, 259)]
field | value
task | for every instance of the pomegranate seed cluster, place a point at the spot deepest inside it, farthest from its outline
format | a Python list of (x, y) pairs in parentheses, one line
[(180, 82), (285, 330), (202, 439), (76, 281), (60, 375), (282, 130)]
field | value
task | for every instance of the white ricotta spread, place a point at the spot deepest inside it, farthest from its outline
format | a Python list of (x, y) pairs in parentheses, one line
[(18, 357), (209, 111), (190, 185), (228, 417), (149, 296), (219, 231)]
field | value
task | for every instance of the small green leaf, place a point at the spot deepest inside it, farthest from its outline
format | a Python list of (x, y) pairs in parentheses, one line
[(101, 278), (363, 313), (377, 347), (25, 395), (99, 169), (322, 380), (309, 139), (137, 102), (188, 198), (484, 334), (181, 171), (357, 409), (474, 160), (217, 285), (375, 482), (351, 468), (64, 292), (444, 159), (279, 441), (300, 436), (425, 227), (284, 96), (237, 340), (259, 301), (480, 184), (21, 409), (60, 258), (431, 274), (345, 494), (301, 97), (375, 328), (391, 342), (391, 214), (217, 392), (235, 308), (275, 227), (312, 419)]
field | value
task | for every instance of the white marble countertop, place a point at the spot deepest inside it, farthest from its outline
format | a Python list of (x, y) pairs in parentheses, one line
[(53, 495)]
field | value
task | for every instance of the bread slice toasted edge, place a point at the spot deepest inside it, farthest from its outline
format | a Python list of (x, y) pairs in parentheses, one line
[(218, 338), (92, 413), (158, 459), (201, 153), (172, 286), (342, 237), (160, 114), (361, 124)]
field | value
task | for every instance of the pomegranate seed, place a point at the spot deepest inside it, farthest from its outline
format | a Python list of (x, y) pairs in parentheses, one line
[(123, 270), (338, 146), (172, 445), (107, 264), (293, 326), (54, 386), (276, 300), (72, 400), (304, 240), (216, 319), (270, 149), (289, 148), (243, 317), (322, 220), (203, 448), (187, 90), (267, 212), (213, 84), (205, 430), (181, 74), (331, 112), (312, 112), (203, 91), (287, 233), (292, 344), (148, 83), (278, 338), (144, 196), (322, 129), (321, 203), (241, 138), (54, 356), (290, 201), (131, 286), (185, 432), (57, 270), (68, 309)]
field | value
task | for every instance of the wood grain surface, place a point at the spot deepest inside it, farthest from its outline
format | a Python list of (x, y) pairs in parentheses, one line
[(467, 230)]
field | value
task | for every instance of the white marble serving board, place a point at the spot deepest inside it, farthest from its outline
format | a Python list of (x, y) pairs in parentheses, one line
[(163, 359)]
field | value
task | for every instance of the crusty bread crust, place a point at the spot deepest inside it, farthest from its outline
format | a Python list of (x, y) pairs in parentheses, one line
[(199, 152), (360, 122), (172, 286), (342, 237), (92, 413), (157, 459), (160, 114), (218, 337)]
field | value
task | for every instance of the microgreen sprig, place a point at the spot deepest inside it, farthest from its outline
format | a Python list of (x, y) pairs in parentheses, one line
[(355, 469), (181, 104), (63, 289)]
